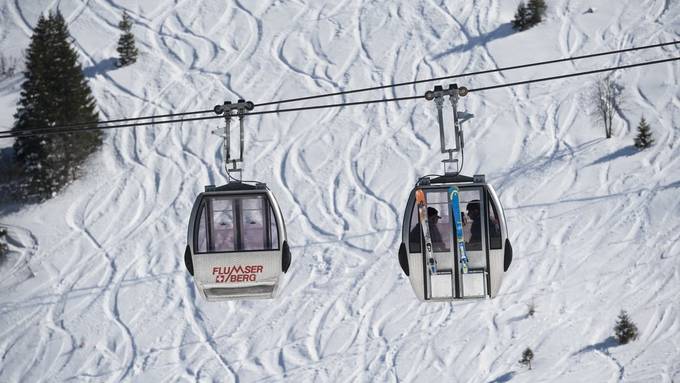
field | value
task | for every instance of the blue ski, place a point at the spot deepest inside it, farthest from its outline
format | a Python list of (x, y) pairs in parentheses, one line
[(454, 197)]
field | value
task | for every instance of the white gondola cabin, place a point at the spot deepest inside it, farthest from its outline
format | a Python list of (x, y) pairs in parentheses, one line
[(487, 246), (236, 242)]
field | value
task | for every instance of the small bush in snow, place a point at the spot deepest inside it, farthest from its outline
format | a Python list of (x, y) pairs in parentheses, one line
[(644, 138), (531, 309), (126, 43), (527, 357), (625, 330)]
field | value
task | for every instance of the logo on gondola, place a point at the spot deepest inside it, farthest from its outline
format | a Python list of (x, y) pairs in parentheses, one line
[(232, 274)]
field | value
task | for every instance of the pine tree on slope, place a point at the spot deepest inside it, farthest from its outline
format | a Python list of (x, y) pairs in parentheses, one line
[(126, 43), (536, 11), (53, 93), (3, 243), (625, 330), (644, 138), (521, 20), (527, 357)]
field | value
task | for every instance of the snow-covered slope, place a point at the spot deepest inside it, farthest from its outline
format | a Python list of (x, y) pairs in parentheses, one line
[(95, 288)]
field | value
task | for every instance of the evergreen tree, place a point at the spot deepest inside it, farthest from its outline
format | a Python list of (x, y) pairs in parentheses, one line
[(532, 308), (54, 93), (625, 330), (527, 357), (644, 138), (521, 20), (528, 15), (536, 11), (126, 43), (3, 243)]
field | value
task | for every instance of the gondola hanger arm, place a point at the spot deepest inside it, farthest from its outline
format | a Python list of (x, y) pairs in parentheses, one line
[(229, 110)]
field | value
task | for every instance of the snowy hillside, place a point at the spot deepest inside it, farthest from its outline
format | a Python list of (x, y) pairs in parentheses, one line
[(95, 287)]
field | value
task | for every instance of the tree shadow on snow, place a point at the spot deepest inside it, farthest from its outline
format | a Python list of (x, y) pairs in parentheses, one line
[(519, 318), (673, 185), (100, 67), (503, 30), (603, 346), (623, 152), (504, 378)]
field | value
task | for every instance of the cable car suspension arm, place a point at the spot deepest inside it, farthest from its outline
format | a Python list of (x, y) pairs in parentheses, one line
[(438, 96), (231, 110)]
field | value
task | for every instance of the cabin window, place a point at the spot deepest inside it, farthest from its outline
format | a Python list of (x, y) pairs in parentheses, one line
[(224, 230), (471, 214), (239, 223), (252, 223), (202, 243), (439, 223), (494, 227), (415, 235)]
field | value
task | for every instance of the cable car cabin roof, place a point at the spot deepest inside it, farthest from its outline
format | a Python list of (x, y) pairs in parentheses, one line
[(451, 179), (236, 186)]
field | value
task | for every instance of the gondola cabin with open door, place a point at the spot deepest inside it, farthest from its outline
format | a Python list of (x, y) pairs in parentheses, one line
[(487, 247), (237, 245)]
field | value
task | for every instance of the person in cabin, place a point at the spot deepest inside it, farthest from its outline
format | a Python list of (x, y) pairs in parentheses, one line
[(416, 235), (474, 242)]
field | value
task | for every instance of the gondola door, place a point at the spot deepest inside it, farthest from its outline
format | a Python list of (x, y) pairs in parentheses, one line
[(473, 284), (440, 285)]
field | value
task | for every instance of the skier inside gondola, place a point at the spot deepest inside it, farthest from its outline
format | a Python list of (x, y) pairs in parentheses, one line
[(416, 235), (473, 212)]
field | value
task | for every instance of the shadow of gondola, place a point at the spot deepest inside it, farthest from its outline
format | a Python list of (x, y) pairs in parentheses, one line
[(623, 152), (100, 67), (604, 346), (500, 32), (504, 378)]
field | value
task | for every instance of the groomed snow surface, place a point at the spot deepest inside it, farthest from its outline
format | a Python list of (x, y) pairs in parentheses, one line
[(94, 288)]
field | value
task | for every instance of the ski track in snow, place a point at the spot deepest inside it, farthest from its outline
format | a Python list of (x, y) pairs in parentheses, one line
[(94, 287)]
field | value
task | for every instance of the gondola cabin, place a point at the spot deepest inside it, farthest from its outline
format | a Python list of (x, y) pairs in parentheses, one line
[(237, 245), (487, 247)]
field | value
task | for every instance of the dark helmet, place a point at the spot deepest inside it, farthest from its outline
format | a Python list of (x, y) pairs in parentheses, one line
[(432, 212), (473, 205)]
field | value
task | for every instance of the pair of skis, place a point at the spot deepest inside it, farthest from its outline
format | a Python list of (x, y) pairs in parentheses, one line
[(421, 202), (454, 197)]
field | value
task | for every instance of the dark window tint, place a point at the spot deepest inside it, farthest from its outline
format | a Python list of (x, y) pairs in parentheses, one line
[(494, 227), (273, 229), (202, 243), (472, 218), (415, 233)]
